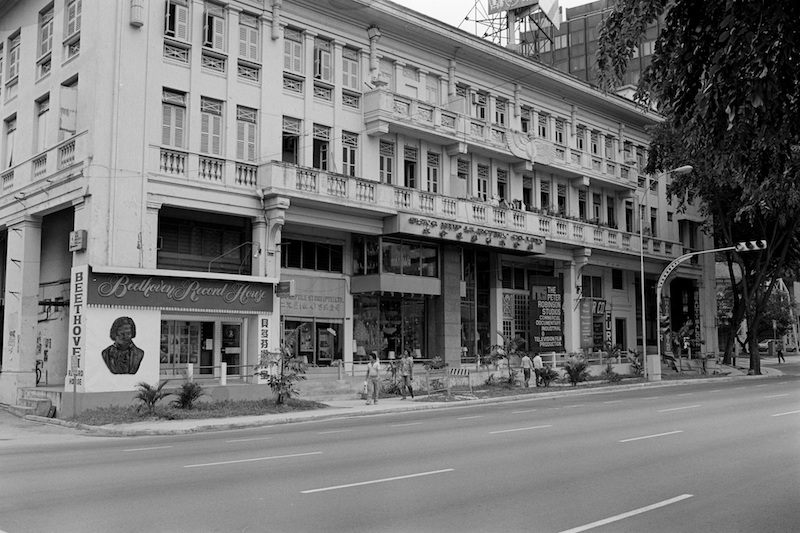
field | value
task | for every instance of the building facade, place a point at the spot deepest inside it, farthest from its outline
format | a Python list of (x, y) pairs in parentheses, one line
[(213, 179)]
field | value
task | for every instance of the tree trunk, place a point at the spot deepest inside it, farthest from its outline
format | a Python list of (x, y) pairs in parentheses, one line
[(755, 357)]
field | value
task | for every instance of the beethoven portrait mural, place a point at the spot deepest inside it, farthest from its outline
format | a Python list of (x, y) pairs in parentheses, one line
[(123, 357)]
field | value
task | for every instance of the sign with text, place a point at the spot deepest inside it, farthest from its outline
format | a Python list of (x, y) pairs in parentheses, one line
[(456, 232), (169, 292), (587, 340), (547, 316), (315, 297)]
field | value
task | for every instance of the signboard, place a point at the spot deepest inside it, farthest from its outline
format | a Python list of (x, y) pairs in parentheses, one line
[(448, 230), (315, 297), (498, 6), (547, 315), (586, 323), (285, 288), (167, 292), (77, 240)]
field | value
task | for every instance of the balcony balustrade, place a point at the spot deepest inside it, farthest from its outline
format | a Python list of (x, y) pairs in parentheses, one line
[(57, 160)]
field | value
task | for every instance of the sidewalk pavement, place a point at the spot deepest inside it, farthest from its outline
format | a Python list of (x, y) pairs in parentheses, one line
[(351, 407)]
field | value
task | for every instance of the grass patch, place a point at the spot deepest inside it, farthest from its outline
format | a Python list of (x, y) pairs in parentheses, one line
[(227, 408)]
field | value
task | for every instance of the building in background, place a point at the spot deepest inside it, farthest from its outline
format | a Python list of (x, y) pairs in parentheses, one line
[(414, 187)]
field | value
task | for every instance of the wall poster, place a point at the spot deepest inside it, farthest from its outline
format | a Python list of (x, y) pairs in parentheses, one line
[(547, 315)]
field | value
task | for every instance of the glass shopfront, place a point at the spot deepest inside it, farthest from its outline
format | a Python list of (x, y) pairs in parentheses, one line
[(389, 325)]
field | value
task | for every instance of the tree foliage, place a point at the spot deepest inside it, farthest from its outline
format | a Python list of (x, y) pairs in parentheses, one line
[(724, 75)]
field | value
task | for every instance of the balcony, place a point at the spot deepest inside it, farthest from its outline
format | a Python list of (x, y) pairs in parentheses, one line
[(341, 193), (450, 126), (58, 160)]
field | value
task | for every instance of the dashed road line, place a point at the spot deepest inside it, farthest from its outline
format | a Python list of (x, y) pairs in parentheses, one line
[(518, 429), (147, 449), (679, 408), (371, 482), (628, 514), (254, 459), (789, 413), (249, 439), (653, 436)]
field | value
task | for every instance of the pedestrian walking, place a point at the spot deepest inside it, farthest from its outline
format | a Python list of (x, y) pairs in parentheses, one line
[(537, 368), (780, 355), (407, 373), (373, 378), (526, 365)]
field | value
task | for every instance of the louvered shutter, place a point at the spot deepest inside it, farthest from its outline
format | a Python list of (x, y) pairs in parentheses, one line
[(216, 134), (205, 132)]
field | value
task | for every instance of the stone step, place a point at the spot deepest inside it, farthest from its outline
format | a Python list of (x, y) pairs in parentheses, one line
[(20, 410), (40, 406)]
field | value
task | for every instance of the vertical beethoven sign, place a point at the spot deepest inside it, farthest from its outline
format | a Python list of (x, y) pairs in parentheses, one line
[(77, 329)]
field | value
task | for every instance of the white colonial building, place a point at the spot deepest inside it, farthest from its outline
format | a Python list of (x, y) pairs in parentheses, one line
[(417, 187)]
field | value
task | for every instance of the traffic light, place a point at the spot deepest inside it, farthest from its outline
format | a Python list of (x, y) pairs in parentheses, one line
[(664, 325), (750, 246)]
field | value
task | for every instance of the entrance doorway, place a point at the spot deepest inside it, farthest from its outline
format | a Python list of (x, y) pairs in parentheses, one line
[(318, 342), (620, 334)]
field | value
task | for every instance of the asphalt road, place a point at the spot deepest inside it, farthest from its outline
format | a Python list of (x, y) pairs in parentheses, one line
[(716, 457)]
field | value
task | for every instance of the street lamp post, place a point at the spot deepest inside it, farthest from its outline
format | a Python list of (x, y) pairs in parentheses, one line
[(648, 376)]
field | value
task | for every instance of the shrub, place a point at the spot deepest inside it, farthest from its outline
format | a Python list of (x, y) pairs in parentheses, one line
[(635, 360), (150, 395), (435, 363), (189, 393), (609, 374), (576, 370), (547, 374)]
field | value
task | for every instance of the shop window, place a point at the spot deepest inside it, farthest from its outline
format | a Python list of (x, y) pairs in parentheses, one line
[(513, 278), (310, 255), (409, 258), (592, 286), (366, 255)]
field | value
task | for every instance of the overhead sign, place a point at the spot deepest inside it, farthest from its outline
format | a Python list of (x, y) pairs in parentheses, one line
[(498, 6)]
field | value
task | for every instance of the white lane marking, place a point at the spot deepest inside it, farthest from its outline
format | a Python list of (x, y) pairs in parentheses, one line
[(469, 417), (679, 408), (333, 431), (571, 406), (685, 394), (777, 395), (403, 425), (248, 440), (384, 480), (254, 459), (652, 398), (524, 411), (613, 401), (518, 429), (146, 449), (764, 385), (715, 390), (628, 514), (653, 436), (789, 413)]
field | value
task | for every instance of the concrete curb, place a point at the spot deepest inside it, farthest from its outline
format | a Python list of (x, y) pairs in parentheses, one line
[(350, 412)]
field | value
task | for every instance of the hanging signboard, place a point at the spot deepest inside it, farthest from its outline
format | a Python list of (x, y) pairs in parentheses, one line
[(547, 315)]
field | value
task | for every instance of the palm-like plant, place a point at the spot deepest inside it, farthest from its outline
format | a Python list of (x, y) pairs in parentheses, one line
[(576, 370), (189, 393), (509, 348), (150, 395)]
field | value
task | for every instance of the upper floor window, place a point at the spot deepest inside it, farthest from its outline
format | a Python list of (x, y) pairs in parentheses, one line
[(609, 141), (322, 139), (349, 152), (45, 33), (11, 132), (322, 60), (73, 19), (42, 114), (350, 70), (246, 131), (500, 112), (595, 143), (249, 37), (13, 58), (173, 118), (386, 162), (176, 20), (580, 138), (559, 132), (68, 114), (432, 183), (543, 125), (432, 89), (525, 120), (291, 140), (592, 286), (210, 126), (482, 191), (292, 51), (214, 27), (479, 106)]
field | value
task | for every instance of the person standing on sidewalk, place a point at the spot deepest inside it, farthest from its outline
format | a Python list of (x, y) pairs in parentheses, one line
[(537, 368), (526, 365), (407, 373), (373, 378), (780, 354)]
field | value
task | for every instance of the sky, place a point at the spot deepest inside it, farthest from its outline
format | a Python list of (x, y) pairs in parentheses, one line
[(453, 12)]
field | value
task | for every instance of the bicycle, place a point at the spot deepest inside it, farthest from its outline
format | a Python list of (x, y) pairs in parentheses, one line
[(39, 367)]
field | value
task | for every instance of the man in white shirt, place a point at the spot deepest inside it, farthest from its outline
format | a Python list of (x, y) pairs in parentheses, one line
[(537, 368)]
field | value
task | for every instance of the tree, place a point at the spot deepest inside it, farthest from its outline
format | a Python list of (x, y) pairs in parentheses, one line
[(723, 75)]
